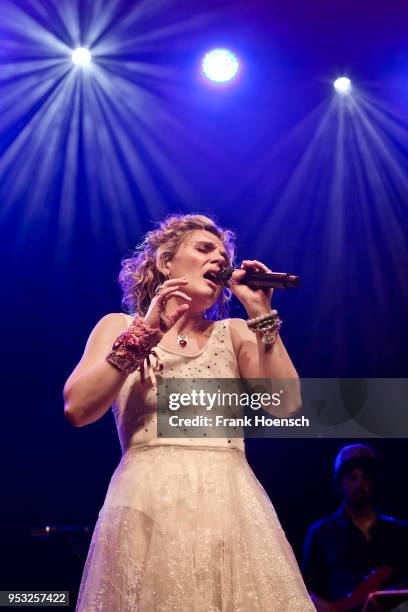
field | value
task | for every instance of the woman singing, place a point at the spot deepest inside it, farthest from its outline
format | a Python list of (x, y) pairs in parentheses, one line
[(185, 526)]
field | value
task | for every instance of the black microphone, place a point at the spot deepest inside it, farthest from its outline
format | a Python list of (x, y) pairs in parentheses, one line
[(259, 280)]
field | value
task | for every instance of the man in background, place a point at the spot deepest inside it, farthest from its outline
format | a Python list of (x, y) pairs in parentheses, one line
[(342, 549)]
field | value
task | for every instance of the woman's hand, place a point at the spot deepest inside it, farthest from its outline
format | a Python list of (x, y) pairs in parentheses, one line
[(157, 316), (255, 301)]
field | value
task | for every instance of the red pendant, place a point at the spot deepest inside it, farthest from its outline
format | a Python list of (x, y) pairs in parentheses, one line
[(182, 340)]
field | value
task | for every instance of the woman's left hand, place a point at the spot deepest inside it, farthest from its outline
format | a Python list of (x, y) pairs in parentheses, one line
[(255, 301)]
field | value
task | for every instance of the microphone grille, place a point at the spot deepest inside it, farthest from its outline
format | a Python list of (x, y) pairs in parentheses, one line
[(224, 275)]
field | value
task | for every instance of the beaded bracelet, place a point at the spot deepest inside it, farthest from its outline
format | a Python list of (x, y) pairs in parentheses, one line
[(265, 317), (135, 344), (268, 325)]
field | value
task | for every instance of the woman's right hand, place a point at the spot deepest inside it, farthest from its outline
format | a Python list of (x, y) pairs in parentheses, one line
[(157, 316)]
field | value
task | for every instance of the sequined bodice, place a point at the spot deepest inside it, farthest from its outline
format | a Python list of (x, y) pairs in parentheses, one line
[(135, 408)]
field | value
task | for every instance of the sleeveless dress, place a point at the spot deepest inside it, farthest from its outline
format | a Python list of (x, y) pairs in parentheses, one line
[(186, 526)]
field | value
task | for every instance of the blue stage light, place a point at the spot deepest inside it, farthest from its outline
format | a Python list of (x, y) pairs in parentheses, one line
[(220, 65), (81, 56), (342, 85)]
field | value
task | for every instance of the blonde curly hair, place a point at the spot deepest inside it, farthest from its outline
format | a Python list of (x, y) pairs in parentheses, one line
[(140, 275)]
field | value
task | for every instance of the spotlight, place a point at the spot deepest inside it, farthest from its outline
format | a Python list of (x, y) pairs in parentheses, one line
[(220, 65), (81, 56), (342, 85)]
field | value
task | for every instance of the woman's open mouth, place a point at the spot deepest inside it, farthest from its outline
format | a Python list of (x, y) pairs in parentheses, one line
[(210, 277)]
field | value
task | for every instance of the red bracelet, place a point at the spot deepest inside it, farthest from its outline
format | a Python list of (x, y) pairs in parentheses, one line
[(133, 346)]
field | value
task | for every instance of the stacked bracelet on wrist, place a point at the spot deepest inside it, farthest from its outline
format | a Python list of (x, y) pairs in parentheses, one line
[(133, 346), (268, 324)]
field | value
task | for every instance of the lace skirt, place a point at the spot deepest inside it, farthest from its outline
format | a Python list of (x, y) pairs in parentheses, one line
[(189, 529)]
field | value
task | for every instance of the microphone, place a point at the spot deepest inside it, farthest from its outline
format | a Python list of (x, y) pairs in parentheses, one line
[(259, 280)]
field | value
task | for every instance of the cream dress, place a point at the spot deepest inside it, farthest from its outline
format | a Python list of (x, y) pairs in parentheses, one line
[(186, 526)]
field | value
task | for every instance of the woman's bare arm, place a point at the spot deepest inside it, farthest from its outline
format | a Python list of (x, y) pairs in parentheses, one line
[(94, 385), (255, 360)]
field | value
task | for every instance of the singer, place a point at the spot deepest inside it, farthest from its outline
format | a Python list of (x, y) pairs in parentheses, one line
[(185, 524)]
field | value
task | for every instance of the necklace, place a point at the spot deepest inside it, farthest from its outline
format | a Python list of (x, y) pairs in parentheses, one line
[(182, 338)]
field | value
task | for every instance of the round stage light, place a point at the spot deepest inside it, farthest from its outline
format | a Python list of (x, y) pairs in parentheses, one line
[(342, 85), (220, 65), (81, 56)]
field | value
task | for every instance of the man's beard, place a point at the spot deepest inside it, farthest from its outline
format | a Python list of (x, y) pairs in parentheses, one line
[(359, 499)]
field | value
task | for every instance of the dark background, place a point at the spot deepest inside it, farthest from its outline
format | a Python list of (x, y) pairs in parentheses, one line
[(311, 184)]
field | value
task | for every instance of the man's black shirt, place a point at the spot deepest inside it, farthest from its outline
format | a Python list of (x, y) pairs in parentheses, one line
[(337, 556)]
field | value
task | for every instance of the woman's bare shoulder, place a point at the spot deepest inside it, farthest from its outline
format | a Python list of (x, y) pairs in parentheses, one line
[(238, 326), (239, 333), (111, 324), (102, 336), (236, 323), (115, 318)]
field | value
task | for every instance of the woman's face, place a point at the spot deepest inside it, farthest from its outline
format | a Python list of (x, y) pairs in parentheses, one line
[(199, 254)]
